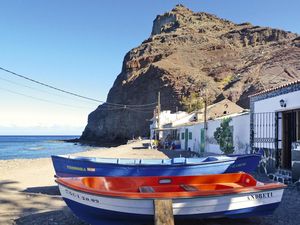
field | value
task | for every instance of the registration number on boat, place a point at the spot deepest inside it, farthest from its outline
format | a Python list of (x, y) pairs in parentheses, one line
[(84, 198), (260, 196)]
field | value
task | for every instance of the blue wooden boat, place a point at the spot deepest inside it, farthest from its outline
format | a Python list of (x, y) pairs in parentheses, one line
[(72, 166)]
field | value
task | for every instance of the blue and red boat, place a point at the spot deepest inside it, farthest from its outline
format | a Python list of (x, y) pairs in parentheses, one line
[(72, 166), (129, 200)]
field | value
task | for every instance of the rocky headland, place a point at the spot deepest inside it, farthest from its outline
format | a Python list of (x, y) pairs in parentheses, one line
[(186, 53)]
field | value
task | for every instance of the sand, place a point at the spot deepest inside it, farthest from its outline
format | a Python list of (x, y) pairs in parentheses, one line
[(27, 186)]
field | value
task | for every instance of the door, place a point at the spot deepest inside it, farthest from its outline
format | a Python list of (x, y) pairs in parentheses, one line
[(202, 140), (289, 135), (186, 139)]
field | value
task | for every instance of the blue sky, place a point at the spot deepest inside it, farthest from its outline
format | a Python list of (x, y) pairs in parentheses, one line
[(79, 45)]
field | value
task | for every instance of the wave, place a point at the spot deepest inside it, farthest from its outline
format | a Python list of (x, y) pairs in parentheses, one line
[(37, 148)]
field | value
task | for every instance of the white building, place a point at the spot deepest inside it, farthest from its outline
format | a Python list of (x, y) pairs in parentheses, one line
[(188, 132), (165, 118), (275, 124), (195, 138)]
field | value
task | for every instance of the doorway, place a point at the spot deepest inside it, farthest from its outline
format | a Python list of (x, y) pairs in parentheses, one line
[(202, 140), (186, 139), (290, 134)]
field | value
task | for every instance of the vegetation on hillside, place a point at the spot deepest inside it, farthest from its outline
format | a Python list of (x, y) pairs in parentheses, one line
[(192, 102)]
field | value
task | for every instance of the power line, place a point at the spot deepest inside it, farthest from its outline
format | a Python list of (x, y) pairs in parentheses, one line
[(140, 111), (68, 92), (40, 99), (52, 102), (33, 88), (110, 109), (128, 108), (58, 103)]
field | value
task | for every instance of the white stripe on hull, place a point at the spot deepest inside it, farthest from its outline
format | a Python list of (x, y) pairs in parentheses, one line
[(181, 206)]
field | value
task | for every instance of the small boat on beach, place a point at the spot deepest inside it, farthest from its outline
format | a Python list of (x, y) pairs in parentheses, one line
[(130, 200), (72, 166)]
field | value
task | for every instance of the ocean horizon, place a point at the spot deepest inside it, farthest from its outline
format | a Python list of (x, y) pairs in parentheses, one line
[(38, 146)]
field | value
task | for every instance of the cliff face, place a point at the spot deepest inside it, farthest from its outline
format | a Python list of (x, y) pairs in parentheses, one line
[(186, 53)]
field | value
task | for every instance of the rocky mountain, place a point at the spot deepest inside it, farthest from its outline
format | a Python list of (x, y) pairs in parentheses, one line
[(186, 53)]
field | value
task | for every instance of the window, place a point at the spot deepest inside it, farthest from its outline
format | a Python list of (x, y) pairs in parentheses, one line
[(190, 136), (174, 135), (182, 136)]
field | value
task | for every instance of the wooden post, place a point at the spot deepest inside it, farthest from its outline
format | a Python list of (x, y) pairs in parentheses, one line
[(205, 118), (205, 114), (163, 212)]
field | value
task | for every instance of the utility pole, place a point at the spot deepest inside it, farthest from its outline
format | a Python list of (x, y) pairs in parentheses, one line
[(205, 111), (205, 117), (158, 114)]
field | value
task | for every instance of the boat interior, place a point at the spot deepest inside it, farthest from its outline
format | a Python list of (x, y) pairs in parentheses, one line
[(128, 161), (170, 184), (167, 187)]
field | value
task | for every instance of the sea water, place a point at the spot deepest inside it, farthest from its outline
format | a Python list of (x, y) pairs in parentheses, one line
[(29, 147)]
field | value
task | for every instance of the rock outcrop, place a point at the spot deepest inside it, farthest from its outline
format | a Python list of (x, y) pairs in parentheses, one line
[(186, 53)]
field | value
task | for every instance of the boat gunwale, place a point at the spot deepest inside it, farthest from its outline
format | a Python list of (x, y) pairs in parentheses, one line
[(188, 195), (232, 159)]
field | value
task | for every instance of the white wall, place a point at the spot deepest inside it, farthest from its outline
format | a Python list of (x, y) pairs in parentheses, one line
[(194, 143), (167, 117), (241, 135), (211, 143), (292, 100)]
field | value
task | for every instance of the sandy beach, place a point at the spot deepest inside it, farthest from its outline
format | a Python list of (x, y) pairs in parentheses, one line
[(28, 193)]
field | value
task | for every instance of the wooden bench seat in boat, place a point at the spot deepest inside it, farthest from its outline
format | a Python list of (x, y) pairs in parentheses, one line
[(146, 189), (231, 185), (187, 187)]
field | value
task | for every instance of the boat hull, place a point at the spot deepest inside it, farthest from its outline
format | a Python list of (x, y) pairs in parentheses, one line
[(246, 163), (70, 167), (96, 209)]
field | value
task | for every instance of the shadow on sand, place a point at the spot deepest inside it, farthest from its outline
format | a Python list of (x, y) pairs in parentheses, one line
[(48, 190), (57, 217), (14, 202), (135, 148), (177, 153)]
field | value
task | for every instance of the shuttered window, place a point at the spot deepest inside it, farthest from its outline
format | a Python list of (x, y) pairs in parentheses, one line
[(190, 136)]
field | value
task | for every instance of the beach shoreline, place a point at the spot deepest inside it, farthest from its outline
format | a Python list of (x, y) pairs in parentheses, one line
[(95, 144)]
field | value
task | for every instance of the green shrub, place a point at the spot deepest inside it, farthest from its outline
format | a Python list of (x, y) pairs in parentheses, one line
[(224, 136)]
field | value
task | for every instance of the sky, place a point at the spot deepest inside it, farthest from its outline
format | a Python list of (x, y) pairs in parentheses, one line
[(79, 45)]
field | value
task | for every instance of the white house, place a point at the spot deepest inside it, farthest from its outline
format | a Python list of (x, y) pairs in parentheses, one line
[(167, 117), (189, 134), (275, 125), (195, 138)]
